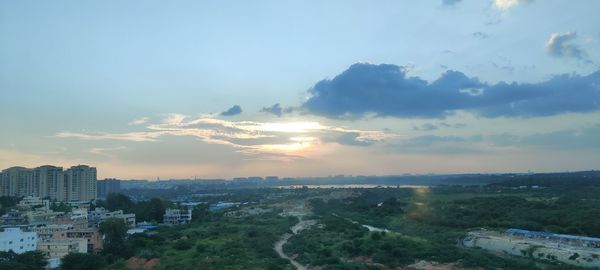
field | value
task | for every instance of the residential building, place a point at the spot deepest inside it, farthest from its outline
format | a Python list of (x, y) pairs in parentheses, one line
[(128, 219), (177, 216), (107, 186), (30, 203), (13, 217), (48, 231), (17, 240), (51, 183), (92, 237), (58, 248), (16, 181), (80, 183)]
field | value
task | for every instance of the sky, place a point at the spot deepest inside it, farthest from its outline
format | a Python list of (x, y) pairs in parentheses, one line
[(222, 89)]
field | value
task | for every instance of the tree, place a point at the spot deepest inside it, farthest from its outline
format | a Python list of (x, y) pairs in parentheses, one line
[(118, 201), (60, 207), (77, 261), (31, 260), (201, 212), (115, 231)]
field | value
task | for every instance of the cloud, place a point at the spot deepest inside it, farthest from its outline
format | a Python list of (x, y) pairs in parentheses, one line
[(505, 5), (248, 137), (275, 110), (235, 110), (440, 145), (386, 91), (480, 35), (139, 121), (585, 138), (561, 45), (426, 127)]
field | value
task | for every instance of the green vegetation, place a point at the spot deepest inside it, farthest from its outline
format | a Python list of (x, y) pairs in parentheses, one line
[(6, 202), (421, 224), (31, 260), (214, 242), (428, 224), (151, 210), (78, 261)]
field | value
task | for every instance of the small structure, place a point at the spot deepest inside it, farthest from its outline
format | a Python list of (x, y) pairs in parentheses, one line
[(573, 240), (17, 240), (177, 216), (141, 229)]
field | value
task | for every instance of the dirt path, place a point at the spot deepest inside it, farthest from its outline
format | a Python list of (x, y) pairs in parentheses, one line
[(301, 225)]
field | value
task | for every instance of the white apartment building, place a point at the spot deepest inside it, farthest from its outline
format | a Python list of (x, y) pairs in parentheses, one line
[(18, 241)]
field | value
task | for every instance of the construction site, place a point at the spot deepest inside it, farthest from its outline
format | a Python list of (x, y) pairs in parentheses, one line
[(542, 246)]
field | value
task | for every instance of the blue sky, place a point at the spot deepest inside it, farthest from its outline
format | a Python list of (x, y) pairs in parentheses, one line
[(146, 89)]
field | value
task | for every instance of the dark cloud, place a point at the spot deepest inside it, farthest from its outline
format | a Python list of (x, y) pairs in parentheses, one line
[(235, 110), (351, 138), (275, 110), (562, 45), (386, 90), (480, 35)]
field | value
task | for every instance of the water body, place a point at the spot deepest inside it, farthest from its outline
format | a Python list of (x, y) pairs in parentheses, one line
[(349, 186)]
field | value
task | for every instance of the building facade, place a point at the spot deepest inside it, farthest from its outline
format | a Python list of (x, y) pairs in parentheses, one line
[(17, 240), (51, 182), (177, 216), (80, 183), (107, 186)]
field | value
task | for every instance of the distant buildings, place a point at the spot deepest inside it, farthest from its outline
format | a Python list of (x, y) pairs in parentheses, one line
[(18, 241), (77, 183), (177, 216), (107, 186)]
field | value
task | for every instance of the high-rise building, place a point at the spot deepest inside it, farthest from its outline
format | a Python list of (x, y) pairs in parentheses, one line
[(80, 183), (107, 186), (16, 181), (50, 182)]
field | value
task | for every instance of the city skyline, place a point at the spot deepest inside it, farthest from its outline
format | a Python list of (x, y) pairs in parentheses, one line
[(209, 90)]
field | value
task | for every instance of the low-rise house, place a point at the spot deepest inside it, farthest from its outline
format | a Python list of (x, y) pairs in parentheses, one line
[(30, 203), (42, 216), (177, 216), (13, 217), (92, 237), (17, 240), (129, 219)]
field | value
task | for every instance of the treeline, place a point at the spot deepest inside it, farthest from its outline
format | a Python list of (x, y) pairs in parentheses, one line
[(571, 180), (150, 210), (568, 214)]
